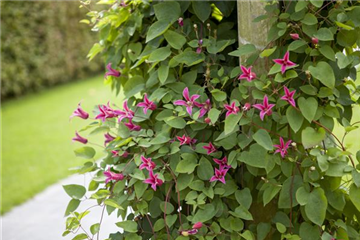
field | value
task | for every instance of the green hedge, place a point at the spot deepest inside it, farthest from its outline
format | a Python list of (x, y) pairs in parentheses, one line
[(43, 44)]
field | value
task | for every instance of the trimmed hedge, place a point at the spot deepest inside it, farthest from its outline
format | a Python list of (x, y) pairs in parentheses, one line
[(43, 44)]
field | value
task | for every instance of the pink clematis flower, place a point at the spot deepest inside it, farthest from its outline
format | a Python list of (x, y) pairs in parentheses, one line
[(186, 233), (186, 140), (231, 109), (130, 125), (126, 113), (210, 148), (147, 104), (116, 154), (265, 108), (147, 163), (153, 180), (204, 107), (282, 147), (289, 96), (108, 138), (294, 36), (284, 62), (219, 175), (246, 107), (222, 162), (113, 176), (79, 112), (111, 71), (247, 74), (105, 112), (199, 48), (197, 225), (79, 138), (181, 22), (190, 101)]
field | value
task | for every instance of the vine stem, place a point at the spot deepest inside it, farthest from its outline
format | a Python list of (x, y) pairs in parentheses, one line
[(166, 201), (177, 191)]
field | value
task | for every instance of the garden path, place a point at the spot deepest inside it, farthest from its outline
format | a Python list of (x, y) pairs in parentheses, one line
[(42, 217)]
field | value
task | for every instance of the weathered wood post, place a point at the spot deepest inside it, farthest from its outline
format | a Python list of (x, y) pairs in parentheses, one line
[(251, 32), (255, 33)]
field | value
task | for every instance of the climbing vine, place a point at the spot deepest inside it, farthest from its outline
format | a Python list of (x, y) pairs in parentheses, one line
[(205, 147)]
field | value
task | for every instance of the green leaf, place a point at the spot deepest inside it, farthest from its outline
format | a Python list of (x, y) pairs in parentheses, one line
[(112, 203), (75, 191), (356, 177), (190, 58), (342, 60), (231, 122), (310, 137), (243, 50), (202, 9), (85, 152), (291, 185), (186, 165), (300, 5), (302, 196), (267, 52), (257, 156), (168, 10), (156, 29), (354, 194), (159, 54), (205, 169), (80, 236), (324, 73), (316, 206), (160, 139), (295, 118), (176, 40), (296, 44), (309, 19), (128, 226), (176, 122), (94, 229), (163, 73), (344, 26), (317, 3), (159, 224), (270, 192), (214, 114), (218, 46), (324, 34), (218, 95), (205, 214), (97, 48), (134, 85), (72, 206), (307, 231), (243, 213), (244, 197), (280, 227), (328, 52), (308, 107), (263, 138)]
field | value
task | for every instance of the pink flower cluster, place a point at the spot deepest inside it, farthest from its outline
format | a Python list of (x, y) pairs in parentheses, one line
[(112, 176), (153, 179), (220, 173), (190, 102)]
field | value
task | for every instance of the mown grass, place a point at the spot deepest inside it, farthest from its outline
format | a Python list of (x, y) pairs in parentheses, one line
[(37, 149)]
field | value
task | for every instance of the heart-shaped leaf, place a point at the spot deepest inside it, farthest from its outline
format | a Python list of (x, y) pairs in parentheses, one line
[(324, 73), (308, 107), (311, 137)]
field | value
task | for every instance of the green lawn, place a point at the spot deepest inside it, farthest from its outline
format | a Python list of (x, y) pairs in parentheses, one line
[(37, 149)]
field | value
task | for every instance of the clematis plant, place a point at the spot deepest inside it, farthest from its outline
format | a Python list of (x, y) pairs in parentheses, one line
[(256, 151)]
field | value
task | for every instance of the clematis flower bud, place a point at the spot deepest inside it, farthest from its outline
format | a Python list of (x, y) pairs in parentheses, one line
[(314, 40), (181, 22), (79, 138), (294, 36), (246, 107), (197, 225), (207, 120)]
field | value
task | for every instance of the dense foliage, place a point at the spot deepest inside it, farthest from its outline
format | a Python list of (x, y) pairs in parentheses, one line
[(205, 149), (42, 44)]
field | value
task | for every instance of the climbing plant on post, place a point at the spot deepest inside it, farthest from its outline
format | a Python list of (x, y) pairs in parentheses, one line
[(203, 148)]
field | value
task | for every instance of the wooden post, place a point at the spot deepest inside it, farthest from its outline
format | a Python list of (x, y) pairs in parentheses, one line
[(256, 34), (250, 32)]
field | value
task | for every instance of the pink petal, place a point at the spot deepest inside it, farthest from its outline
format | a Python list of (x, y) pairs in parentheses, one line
[(180, 102), (186, 94)]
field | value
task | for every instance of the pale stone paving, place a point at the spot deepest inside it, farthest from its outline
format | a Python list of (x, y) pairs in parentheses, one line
[(42, 218)]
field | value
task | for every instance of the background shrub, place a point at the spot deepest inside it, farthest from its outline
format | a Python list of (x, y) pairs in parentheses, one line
[(43, 44)]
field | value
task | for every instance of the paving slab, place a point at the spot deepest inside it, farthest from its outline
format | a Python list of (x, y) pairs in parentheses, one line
[(42, 217)]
